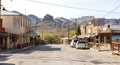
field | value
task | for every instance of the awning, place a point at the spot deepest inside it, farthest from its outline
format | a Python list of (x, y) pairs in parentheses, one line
[(83, 36), (3, 34), (86, 35)]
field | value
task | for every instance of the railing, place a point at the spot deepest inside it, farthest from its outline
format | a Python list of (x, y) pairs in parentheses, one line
[(116, 48)]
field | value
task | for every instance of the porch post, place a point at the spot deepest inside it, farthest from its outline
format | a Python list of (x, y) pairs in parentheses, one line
[(99, 36), (111, 41), (105, 39), (8, 42), (3, 41)]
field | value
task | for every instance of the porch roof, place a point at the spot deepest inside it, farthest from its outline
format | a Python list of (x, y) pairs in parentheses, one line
[(4, 33), (83, 36)]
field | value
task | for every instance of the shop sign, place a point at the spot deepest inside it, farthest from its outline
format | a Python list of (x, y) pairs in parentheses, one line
[(115, 38)]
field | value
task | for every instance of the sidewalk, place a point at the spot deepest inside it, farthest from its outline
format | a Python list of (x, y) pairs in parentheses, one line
[(101, 48), (15, 50)]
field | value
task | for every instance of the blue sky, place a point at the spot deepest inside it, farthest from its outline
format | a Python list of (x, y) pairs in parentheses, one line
[(39, 9)]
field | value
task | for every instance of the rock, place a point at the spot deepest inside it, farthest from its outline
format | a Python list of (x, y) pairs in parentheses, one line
[(48, 18)]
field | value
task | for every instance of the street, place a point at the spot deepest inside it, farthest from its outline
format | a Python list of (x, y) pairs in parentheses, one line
[(59, 54)]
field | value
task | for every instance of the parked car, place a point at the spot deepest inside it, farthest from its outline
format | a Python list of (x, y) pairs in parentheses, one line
[(81, 44), (73, 42)]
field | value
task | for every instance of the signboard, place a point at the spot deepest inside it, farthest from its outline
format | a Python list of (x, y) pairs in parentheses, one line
[(115, 38)]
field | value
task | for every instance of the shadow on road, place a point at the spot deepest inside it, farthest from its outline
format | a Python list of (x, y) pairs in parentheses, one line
[(47, 48), (38, 48), (109, 62), (6, 64), (4, 57)]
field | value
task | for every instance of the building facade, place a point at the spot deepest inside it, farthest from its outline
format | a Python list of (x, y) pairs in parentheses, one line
[(15, 27)]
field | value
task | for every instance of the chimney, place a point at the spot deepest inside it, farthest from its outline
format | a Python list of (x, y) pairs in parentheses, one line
[(108, 26)]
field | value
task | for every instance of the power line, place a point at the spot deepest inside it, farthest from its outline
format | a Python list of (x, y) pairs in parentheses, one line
[(111, 11), (71, 7)]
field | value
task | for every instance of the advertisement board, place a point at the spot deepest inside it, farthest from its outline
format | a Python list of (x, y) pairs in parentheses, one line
[(115, 38)]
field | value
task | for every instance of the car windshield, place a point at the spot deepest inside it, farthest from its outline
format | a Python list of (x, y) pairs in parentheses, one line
[(75, 40), (81, 42)]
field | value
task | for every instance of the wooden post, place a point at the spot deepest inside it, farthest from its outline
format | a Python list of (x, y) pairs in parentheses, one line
[(42, 35), (99, 41), (68, 33), (111, 41), (8, 43)]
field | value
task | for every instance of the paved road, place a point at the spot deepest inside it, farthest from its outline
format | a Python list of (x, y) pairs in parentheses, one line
[(59, 55)]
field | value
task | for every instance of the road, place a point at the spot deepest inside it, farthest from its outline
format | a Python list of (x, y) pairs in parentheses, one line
[(61, 54)]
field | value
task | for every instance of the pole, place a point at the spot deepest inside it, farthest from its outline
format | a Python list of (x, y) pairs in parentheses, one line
[(42, 35), (36, 28), (0, 9), (68, 34), (76, 27)]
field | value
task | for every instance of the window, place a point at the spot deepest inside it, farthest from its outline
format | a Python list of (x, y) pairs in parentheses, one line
[(17, 22), (89, 31)]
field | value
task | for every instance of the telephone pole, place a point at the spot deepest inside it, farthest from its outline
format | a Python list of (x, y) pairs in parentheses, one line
[(76, 27), (68, 33), (42, 35)]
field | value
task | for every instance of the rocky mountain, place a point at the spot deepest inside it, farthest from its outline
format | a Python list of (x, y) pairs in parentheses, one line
[(109, 21), (32, 17), (48, 23), (48, 17), (57, 22), (54, 25), (85, 19), (63, 22)]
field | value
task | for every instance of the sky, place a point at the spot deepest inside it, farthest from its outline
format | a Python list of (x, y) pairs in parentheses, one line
[(41, 9)]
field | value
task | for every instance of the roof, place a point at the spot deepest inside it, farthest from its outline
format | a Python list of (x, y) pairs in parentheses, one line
[(115, 27), (8, 13), (4, 33), (5, 12)]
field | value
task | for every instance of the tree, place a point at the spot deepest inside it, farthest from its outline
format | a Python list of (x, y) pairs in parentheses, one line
[(78, 31), (51, 38), (72, 32)]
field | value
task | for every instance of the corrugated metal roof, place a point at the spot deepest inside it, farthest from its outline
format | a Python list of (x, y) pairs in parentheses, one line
[(8, 13), (115, 27)]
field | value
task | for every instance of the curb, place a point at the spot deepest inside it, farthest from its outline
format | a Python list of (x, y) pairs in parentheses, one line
[(15, 50)]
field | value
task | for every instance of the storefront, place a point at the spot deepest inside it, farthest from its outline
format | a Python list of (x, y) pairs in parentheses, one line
[(4, 41)]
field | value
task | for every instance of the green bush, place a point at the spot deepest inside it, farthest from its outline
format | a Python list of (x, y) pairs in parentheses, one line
[(51, 38), (72, 32)]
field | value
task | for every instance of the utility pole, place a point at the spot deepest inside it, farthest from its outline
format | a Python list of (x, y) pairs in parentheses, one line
[(68, 33), (76, 27), (36, 28), (42, 35)]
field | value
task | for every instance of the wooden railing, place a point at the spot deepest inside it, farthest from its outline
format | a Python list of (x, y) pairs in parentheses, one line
[(116, 48)]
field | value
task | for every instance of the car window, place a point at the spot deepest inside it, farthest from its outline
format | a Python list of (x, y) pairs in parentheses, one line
[(75, 40), (81, 41)]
